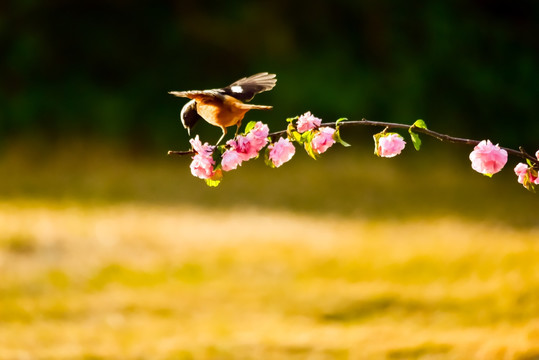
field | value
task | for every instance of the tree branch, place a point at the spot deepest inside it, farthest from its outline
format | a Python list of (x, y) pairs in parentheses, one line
[(521, 153)]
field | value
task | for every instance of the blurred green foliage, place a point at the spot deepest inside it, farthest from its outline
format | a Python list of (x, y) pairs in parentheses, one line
[(468, 68)]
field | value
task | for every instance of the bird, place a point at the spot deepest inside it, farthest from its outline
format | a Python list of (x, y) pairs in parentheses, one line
[(227, 106)]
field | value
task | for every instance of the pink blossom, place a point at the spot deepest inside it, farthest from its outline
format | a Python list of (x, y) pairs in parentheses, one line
[(390, 145), (244, 147), (307, 122), (247, 146), (537, 154), (522, 171), (258, 136), (323, 140), (202, 149), (231, 160), (487, 158), (281, 151), (202, 166)]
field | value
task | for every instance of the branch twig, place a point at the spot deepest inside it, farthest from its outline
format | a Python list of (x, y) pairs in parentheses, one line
[(521, 153)]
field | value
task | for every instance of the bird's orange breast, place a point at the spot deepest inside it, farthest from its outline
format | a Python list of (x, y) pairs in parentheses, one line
[(223, 113)]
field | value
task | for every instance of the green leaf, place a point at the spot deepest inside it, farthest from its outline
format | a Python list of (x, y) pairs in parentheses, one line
[(310, 151), (419, 123), (249, 126), (337, 138), (215, 180), (267, 159), (337, 134), (528, 184), (296, 136), (338, 121), (415, 138), (212, 183), (307, 136), (376, 138), (292, 119)]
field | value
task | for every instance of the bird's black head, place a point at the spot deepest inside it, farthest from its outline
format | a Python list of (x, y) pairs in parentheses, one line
[(189, 115)]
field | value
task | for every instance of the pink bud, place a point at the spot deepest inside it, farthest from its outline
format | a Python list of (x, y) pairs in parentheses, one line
[(487, 158)]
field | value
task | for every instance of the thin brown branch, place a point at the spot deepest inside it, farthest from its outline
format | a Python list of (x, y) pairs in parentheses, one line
[(181, 153), (364, 122)]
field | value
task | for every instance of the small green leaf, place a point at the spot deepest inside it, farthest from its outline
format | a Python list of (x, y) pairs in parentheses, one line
[(415, 138), (337, 138), (308, 136), (419, 123), (212, 183), (310, 151), (528, 184), (338, 121), (216, 178), (267, 159), (292, 119), (296, 136), (376, 138), (250, 125)]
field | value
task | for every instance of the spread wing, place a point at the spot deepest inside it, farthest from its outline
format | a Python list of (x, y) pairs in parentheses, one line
[(201, 95), (246, 88)]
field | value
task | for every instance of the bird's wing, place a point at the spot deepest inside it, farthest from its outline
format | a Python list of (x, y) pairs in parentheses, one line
[(246, 88), (201, 95)]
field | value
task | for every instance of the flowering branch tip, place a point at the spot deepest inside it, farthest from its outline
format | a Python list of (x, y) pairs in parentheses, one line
[(210, 161)]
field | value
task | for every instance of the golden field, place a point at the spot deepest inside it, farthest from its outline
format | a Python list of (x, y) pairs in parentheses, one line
[(113, 255)]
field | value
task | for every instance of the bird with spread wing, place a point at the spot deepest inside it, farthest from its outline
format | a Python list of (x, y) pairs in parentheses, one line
[(227, 106)]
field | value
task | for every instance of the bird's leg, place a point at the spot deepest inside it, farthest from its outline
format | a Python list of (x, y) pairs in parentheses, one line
[(237, 128), (222, 136)]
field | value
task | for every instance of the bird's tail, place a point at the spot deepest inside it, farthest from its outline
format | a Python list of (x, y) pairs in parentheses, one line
[(183, 93)]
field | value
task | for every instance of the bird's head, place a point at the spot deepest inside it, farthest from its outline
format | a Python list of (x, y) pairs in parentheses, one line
[(189, 115)]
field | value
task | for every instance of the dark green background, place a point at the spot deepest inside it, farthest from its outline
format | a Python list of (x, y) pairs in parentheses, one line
[(103, 68)]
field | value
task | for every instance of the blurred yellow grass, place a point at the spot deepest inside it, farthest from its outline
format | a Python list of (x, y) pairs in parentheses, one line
[(142, 281)]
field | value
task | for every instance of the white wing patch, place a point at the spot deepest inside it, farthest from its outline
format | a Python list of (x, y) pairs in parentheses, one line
[(236, 89)]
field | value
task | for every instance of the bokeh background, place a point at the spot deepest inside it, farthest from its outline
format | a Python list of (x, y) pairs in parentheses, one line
[(104, 67), (109, 248)]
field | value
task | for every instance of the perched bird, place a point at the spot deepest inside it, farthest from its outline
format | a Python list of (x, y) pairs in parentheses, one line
[(224, 107)]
